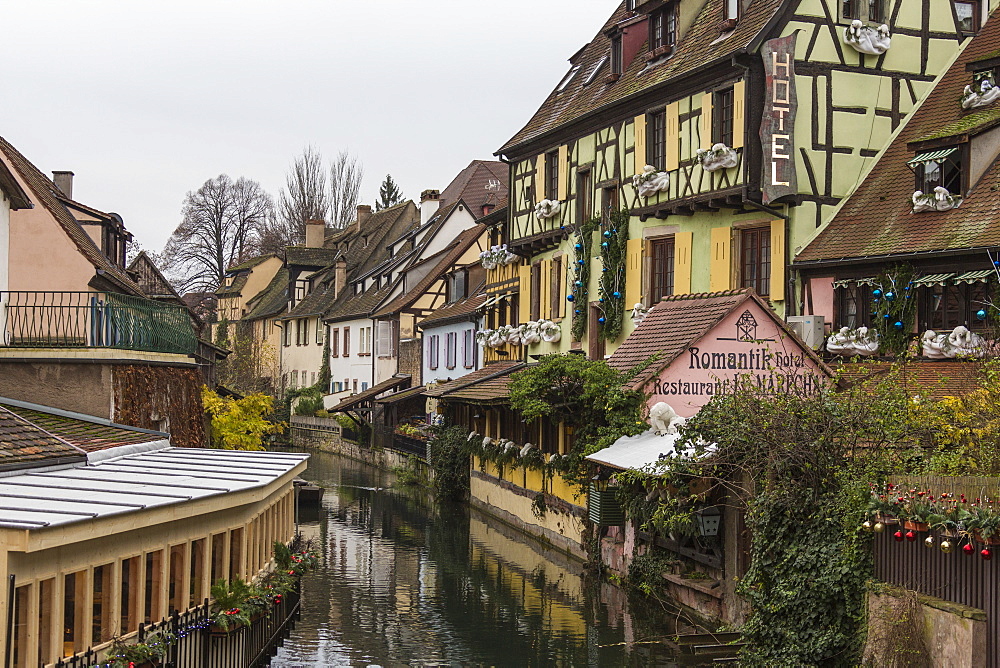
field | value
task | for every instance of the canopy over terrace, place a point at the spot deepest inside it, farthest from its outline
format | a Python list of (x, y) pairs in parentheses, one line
[(359, 406)]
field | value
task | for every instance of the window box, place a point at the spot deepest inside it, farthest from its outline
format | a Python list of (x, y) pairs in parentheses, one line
[(650, 181), (937, 200), (848, 342), (982, 93), (547, 208), (613, 77), (865, 39), (718, 157), (727, 25), (660, 52)]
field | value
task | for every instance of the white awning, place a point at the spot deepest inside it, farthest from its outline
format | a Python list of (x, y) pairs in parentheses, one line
[(932, 279), (979, 276), (932, 156)]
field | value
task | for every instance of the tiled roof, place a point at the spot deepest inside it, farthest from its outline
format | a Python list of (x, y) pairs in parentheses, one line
[(272, 300), (234, 288), (396, 397), (13, 190), (319, 300), (677, 322), (150, 278), (460, 310), (698, 47), (462, 243), (303, 256), (85, 435), (46, 193), (471, 183), (371, 393), (486, 374), (492, 389), (876, 220), (250, 264), (939, 378), (23, 443), (349, 305)]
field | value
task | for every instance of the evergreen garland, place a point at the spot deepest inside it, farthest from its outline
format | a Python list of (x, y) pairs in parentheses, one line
[(612, 285), (579, 290), (894, 309)]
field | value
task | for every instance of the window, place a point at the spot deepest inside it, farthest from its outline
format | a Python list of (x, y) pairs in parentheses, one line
[(656, 141), (609, 203), (536, 291), (967, 13), (347, 342), (364, 386), (584, 197), (566, 79), (294, 382), (661, 275), (853, 306), (319, 333), (731, 10), (755, 259), (302, 332), (451, 350), (945, 307), (386, 338), (552, 175), (663, 29), (355, 386), (433, 351), (722, 117), (469, 349), (457, 285), (335, 342), (616, 56), (944, 171), (286, 334), (556, 288), (872, 11), (597, 70)]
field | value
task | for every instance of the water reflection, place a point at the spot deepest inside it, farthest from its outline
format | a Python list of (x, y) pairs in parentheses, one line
[(407, 582)]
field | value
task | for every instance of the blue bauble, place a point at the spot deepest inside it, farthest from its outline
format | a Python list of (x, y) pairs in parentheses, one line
[(607, 235), (578, 246), (877, 292), (604, 244), (579, 261), (886, 315), (604, 269), (981, 314), (578, 284), (600, 299), (577, 311), (898, 325), (616, 295), (601, 320), (996, 263), (890, 296), (570, 298)]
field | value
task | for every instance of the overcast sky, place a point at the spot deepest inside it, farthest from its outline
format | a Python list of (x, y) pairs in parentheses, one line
[(144, 100)]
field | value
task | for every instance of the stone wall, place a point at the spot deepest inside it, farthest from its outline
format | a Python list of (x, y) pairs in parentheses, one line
[(325, 440), (903, 625), (411, 359)]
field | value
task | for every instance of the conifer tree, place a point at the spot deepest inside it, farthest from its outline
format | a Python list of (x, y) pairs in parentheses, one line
[(389, 194)]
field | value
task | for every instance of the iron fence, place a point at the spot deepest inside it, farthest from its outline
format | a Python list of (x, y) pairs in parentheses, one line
[(93, 320), (409, 445), (199, 644)]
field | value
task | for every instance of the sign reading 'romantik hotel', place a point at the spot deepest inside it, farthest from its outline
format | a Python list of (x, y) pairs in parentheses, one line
[(777, 126)]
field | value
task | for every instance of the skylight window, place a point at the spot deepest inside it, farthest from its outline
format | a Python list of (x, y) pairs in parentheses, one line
[(597, 69), (569, 77)]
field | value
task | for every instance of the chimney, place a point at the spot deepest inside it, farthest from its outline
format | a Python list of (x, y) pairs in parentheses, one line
[(364, 213), (339, 276), (64, 181), (315, 233), (430, 200)]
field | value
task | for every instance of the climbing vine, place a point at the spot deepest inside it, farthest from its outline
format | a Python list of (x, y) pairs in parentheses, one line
[(614, 240), (580, 289)]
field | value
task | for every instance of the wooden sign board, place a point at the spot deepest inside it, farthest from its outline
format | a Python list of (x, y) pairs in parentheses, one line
[(777, 125)]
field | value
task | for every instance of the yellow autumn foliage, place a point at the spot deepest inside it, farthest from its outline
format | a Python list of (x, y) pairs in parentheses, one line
[(239, 424)]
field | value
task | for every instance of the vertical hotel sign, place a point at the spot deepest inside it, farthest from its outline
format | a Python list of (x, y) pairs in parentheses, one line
[(778, 122)]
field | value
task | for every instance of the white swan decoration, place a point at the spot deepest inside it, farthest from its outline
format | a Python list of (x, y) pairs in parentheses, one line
[(865, 39)]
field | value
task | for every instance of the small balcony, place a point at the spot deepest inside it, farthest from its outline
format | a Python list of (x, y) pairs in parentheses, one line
[(70, 320)]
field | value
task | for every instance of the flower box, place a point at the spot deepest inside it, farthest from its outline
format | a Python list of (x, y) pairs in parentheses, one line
[(887, 520), (992, 540), (913, 525), (727, 25)]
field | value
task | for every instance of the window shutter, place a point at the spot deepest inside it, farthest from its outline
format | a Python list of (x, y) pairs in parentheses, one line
[(633, 272), (705, 140), (468, 349), (563, 268), (563, 172), (673, 150), (524, 293), (545, 285), (452, 350), (739, 122), (683, 241), (540, 193), (777, 260), (384, 342), (640, 143), (720, 267)]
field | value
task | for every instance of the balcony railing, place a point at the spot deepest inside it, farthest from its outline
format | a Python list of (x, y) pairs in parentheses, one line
[(93, 320)]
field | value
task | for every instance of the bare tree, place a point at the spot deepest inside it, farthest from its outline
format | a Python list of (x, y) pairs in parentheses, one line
[(305, 197), (345, 188), (220, 226)]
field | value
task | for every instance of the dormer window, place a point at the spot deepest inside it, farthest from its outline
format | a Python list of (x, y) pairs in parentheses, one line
[(941, 168), (616, 56), (567, 79), (663, 30), (730, 14), (597, 70)]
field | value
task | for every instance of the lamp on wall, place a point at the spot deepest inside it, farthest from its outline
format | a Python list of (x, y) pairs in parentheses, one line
[(709, 520)]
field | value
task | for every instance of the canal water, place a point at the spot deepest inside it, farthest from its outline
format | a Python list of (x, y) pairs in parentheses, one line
[(407, 582)]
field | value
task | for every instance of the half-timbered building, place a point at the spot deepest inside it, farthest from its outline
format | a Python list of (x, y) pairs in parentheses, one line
[(729, 131)]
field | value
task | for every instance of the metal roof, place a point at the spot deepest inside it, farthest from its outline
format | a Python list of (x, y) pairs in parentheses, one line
[(642, 451), (133, 482)]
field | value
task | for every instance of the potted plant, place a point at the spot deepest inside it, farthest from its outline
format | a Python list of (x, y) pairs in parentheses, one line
[(917, 512), (230, 609), (986, 525), (140, 654)]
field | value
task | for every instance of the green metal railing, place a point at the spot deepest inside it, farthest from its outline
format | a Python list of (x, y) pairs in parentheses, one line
[(93, 320)]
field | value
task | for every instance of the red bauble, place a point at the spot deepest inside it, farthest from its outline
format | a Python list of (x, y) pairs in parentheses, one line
[(898, 536), (986, 554), (910, 536), (968, 549)]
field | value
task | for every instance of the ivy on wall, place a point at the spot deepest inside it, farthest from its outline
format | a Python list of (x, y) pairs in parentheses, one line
[(580, 289), (146, 396), (614, 239)]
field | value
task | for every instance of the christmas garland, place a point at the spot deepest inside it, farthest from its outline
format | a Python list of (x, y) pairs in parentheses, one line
[(894, 309), (579, 290), (612, 284)]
